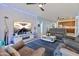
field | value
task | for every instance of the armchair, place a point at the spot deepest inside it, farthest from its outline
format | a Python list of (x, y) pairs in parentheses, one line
[(26, 51), (19, 49)]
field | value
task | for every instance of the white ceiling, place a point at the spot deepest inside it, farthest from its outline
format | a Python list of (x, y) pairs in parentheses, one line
[(52, 10)]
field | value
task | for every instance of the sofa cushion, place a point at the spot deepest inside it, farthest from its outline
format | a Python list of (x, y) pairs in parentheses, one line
[(3, 52), (25, 51), (18, 45), (57, 51), (38, 52), (12, 51), (69, 48), (67, 52), (71, 43)]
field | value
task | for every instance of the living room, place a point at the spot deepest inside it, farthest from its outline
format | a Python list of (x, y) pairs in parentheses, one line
[(39, 29)]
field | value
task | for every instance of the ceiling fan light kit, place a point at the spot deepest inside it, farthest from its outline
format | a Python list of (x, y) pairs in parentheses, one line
[(40, 5)]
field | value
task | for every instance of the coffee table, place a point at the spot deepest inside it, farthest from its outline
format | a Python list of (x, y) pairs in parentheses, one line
[(49, 38)]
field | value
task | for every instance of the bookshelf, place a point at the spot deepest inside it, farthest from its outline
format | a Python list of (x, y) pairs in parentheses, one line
[(68, 24)]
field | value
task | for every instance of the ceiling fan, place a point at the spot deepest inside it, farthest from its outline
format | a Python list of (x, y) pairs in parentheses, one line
[(40, 5)]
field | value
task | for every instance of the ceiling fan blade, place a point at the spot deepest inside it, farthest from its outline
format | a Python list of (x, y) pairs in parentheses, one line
[(30, 3), (35, 3), (41, 8)]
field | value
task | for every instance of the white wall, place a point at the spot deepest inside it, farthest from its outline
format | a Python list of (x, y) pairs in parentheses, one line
[(77, 25), (45, 24), (2, 28), (15, 15)]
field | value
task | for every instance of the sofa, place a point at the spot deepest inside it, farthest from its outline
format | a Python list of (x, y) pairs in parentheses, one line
[(65, 50), (19, 49), (69, 47), (71, 43), (58, 32)]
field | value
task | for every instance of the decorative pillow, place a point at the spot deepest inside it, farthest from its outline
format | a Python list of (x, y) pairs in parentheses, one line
[(39, 52), (67, 52), (18, 45), (69, 48), (12, 51), (25, 51)]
